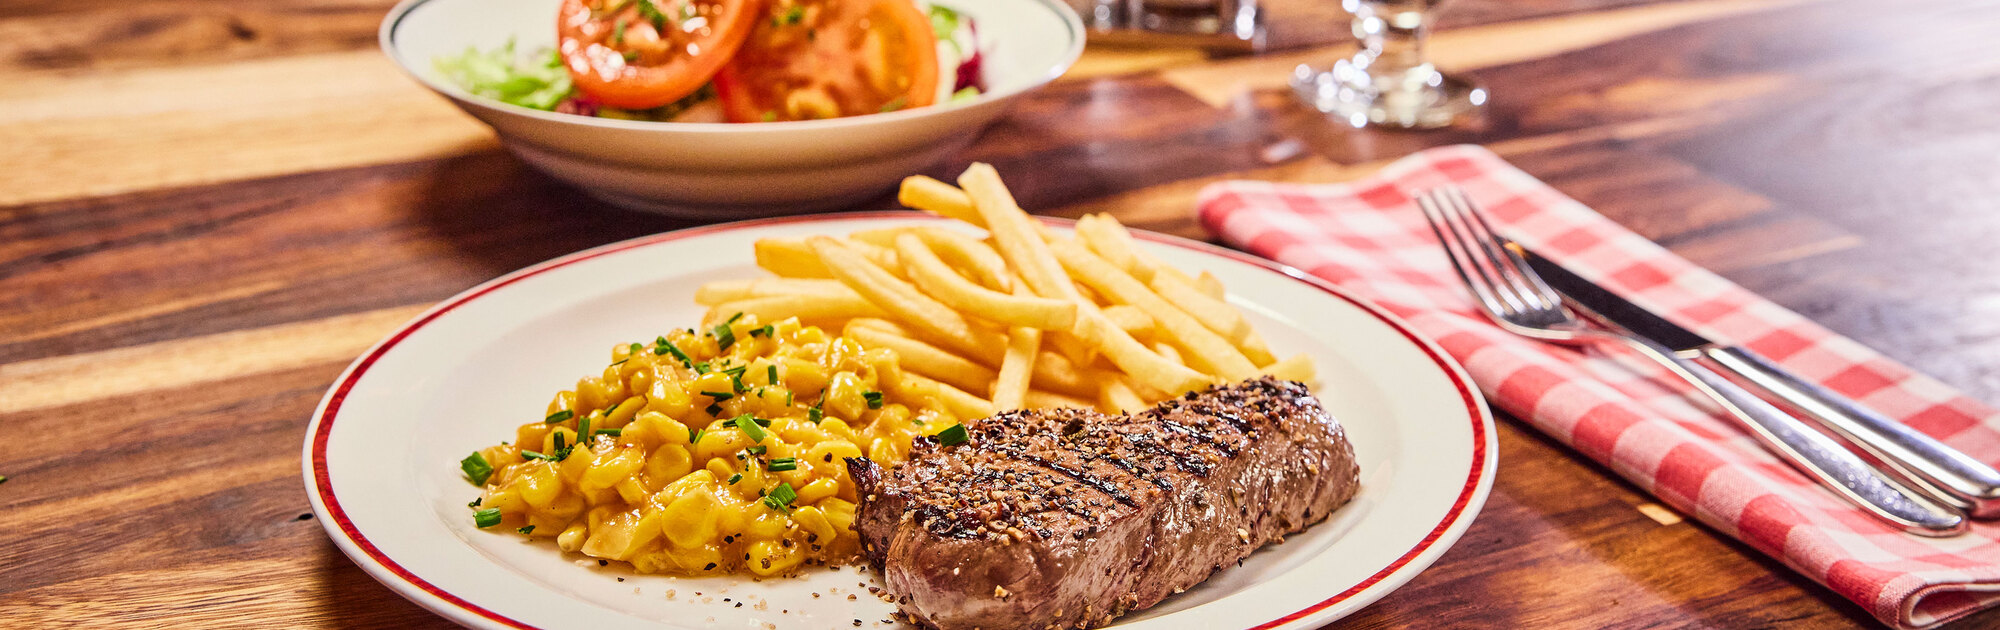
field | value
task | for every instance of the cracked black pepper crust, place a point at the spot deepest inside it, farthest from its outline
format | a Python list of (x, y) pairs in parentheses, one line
[(1069, 518)]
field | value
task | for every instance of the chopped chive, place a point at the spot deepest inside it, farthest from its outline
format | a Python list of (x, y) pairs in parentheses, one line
[(700, 368), (724, 337), (527, 530), (762, 422), (732, 318), (476, 468), (894, 105), (634, 348), (737, 371), (618, 363), (718, 396), (694, 435), (652, 14), (783, 464), (559, 441), (735, 478), (954, 435), (475, 502), (668, 348), (618, 34), (750, 427), (559, 416), (486, 518), (756, 450), (874, 399), (583, 429), (611, 432), (736, 383), (532, 455), (772, 371), (714, 409), (781, 497), (814, 415)]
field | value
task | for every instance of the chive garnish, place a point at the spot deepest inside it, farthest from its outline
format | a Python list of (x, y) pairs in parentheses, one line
[(783, 464), (750, 428), (788, 398), (814, 415), (475, 502), (583, 429), (532, 455), (558, 416), (618, 362), (611, 432), (476, 468), (756, 450), (694, 435), (732, 318), (735, 478), (618, 33), (724, 337), (700, 368), (653, 14), (781, 497), (737, 371), (718, 396), (874, 399), (527, 530), (486, 518), (772, 371), (634, 349), (714, 409), (668, 348), (954, 435)]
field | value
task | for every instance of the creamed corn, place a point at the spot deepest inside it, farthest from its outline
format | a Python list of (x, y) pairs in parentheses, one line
[(709, 451)]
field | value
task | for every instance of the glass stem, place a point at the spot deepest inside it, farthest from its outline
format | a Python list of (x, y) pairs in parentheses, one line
[(1392, 43)]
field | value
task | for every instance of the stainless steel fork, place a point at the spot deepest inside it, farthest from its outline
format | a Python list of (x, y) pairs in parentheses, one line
[(1517, 299)]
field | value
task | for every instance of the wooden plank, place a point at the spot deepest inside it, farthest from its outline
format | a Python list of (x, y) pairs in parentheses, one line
[(1470, 48)]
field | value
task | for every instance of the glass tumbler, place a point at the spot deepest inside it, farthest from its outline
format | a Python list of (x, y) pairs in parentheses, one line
[(1390, 82)]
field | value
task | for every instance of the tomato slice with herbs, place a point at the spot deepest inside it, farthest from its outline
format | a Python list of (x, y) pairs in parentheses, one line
[(813, 59), (641, 54)]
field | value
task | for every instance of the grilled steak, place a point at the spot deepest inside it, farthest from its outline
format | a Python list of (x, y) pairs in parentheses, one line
[(1070, 518)]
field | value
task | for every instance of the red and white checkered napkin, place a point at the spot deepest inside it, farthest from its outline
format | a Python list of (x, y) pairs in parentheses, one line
[(1369, 238)]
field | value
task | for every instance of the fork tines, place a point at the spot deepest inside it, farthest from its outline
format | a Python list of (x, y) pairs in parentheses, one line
[(1499, 278)]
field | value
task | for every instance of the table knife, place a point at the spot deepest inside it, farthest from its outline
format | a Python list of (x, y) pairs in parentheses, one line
[(1940, 470)]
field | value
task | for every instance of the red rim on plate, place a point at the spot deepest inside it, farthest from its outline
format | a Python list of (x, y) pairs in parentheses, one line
[(322, 487)]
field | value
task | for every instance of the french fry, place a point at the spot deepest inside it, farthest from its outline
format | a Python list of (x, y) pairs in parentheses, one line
[(969, 254), (1108, 238), (1129, 318), (899, 298), (1167, 351), (1215, 315), (1297, 368), (1117, 397), (1055, 372), (1138, 361), (1038, 399), (957, 401), (879, 237), (1210, 284), (1204, 346), (938, 280), (1015, 234), (923, 358), (1010, 389), (789, 258), (722, 291), (939, 198), (804, 307), (989, 357)]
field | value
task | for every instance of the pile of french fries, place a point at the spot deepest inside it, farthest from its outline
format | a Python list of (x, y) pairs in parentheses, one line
[(1023, 318)]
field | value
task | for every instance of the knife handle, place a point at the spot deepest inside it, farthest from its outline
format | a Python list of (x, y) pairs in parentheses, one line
[(1812, 452), (1917, 456)]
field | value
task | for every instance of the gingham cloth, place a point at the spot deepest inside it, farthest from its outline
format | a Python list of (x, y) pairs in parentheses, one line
[(1369, 238)]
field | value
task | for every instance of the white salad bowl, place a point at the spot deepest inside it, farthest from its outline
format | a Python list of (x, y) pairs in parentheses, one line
[(724, 170)]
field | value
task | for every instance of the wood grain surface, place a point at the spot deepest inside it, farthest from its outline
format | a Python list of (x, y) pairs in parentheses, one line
[(209, 207)]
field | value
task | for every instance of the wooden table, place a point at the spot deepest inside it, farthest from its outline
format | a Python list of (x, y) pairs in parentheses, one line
[(207, 208)]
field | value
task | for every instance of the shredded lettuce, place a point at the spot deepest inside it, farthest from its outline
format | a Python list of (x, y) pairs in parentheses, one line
[(534, 82)]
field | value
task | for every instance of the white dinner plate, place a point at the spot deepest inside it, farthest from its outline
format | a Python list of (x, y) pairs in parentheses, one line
[(381, 454)]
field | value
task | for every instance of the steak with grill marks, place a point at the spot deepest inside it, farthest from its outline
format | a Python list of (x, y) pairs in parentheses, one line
[(1069, 518)]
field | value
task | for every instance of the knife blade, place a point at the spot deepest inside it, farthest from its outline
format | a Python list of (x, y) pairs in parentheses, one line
[(1927, 463)]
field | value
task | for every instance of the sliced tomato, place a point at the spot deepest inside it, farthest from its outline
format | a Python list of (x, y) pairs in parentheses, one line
[(811, 59), (641, 54)]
